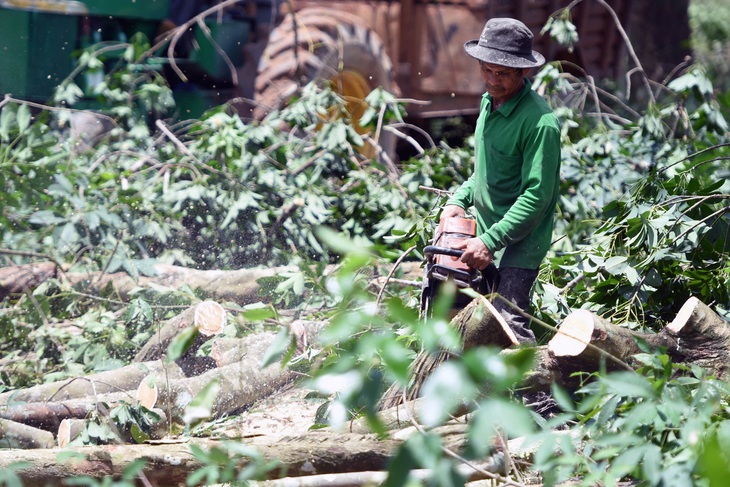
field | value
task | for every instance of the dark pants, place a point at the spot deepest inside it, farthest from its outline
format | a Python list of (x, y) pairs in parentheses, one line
[(515, 285)]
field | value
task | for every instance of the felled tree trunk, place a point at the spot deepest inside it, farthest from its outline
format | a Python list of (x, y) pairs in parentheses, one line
[(477, 324), (19, 279), (17, 435), (118, 380), (208, 318), (239, 286), (167, 464), (585, 340), (49, 415), (700, 336), (241, 384)]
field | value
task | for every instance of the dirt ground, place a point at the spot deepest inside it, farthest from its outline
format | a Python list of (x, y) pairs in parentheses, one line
[(290, 411)]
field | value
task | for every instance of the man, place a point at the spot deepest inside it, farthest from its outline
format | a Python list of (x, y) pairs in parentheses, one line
[(514, 188)]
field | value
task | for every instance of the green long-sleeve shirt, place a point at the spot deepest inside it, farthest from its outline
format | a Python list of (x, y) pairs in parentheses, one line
[(514, 187)]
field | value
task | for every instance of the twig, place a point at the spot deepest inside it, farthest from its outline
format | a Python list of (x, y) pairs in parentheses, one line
[(500, 319), (178, 32), (392, 270), (161, 125), (23, 253), (440, 192), (574, 282)]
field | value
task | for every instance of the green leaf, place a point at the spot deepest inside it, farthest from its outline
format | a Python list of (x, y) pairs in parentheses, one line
[(24, 117), (445, 389), (201, 407), (629, 384), (7, 118), (45, 217), (278, 348), (494, 416), (181, 343), (260, 312)]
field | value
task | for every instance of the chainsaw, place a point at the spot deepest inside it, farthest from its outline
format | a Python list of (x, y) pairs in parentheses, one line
[(443, 264)]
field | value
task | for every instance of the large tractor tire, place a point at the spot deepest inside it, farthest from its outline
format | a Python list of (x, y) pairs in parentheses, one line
[(322, 44)]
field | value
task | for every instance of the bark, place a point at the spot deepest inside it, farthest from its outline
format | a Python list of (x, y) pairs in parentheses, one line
[(226, 351), (476, 324), (208, 318), (241, 384), (47, 415), (700, 336), (123, 379), (316, 452), (240, 286), (358, 479), (19, 279), (17, 435)]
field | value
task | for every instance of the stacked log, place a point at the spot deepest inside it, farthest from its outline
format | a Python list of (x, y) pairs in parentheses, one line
[(58, 411)]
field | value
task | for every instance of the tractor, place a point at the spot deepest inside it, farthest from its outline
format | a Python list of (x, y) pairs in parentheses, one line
[(260, 52)]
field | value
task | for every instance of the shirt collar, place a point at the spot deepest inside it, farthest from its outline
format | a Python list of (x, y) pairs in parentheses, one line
[(509, 107)]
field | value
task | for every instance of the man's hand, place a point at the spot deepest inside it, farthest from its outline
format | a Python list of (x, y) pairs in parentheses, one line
[(452, 211), (476, 254)]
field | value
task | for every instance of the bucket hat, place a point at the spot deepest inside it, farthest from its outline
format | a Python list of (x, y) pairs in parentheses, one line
[(506, 42)]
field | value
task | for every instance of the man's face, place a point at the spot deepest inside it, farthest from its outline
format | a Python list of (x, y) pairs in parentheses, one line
[(501, 82)]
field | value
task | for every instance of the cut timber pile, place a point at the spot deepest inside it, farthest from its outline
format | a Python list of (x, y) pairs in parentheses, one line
[(30, 417), (585, 342), (42, 416)]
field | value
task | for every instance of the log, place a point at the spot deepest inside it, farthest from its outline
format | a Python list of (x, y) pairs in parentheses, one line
[(241, 384), (584, 340), (17, 435), (70, 428), (477, 325), (700, 336), (239, 286), (47, 415), (358, 479), (697, 335), (208, 318), (226, 351), (47, 405), (22, 278), (123, 379), (313, 453)]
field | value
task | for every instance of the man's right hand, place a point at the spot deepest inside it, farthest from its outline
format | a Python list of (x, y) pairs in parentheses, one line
[(452, 211)]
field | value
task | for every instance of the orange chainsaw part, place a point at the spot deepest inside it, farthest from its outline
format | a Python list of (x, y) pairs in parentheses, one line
[(449, 232)]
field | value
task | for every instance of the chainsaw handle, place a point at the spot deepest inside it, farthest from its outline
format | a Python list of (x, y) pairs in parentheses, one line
[(430, 250)]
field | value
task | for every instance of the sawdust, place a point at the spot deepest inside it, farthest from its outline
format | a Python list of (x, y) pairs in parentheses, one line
[(290, 411)]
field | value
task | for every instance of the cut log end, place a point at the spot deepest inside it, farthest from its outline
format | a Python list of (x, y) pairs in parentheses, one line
[(68, 430), (147, 393), (574, 334), (684, 315), (210, 318)]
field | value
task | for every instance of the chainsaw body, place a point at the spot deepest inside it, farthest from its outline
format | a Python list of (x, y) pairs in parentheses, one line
[(443, 264)]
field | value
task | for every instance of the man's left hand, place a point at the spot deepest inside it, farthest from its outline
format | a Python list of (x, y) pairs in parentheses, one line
[(476, 254)]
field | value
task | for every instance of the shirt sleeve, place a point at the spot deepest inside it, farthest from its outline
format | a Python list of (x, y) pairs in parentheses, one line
[(464, 196)]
